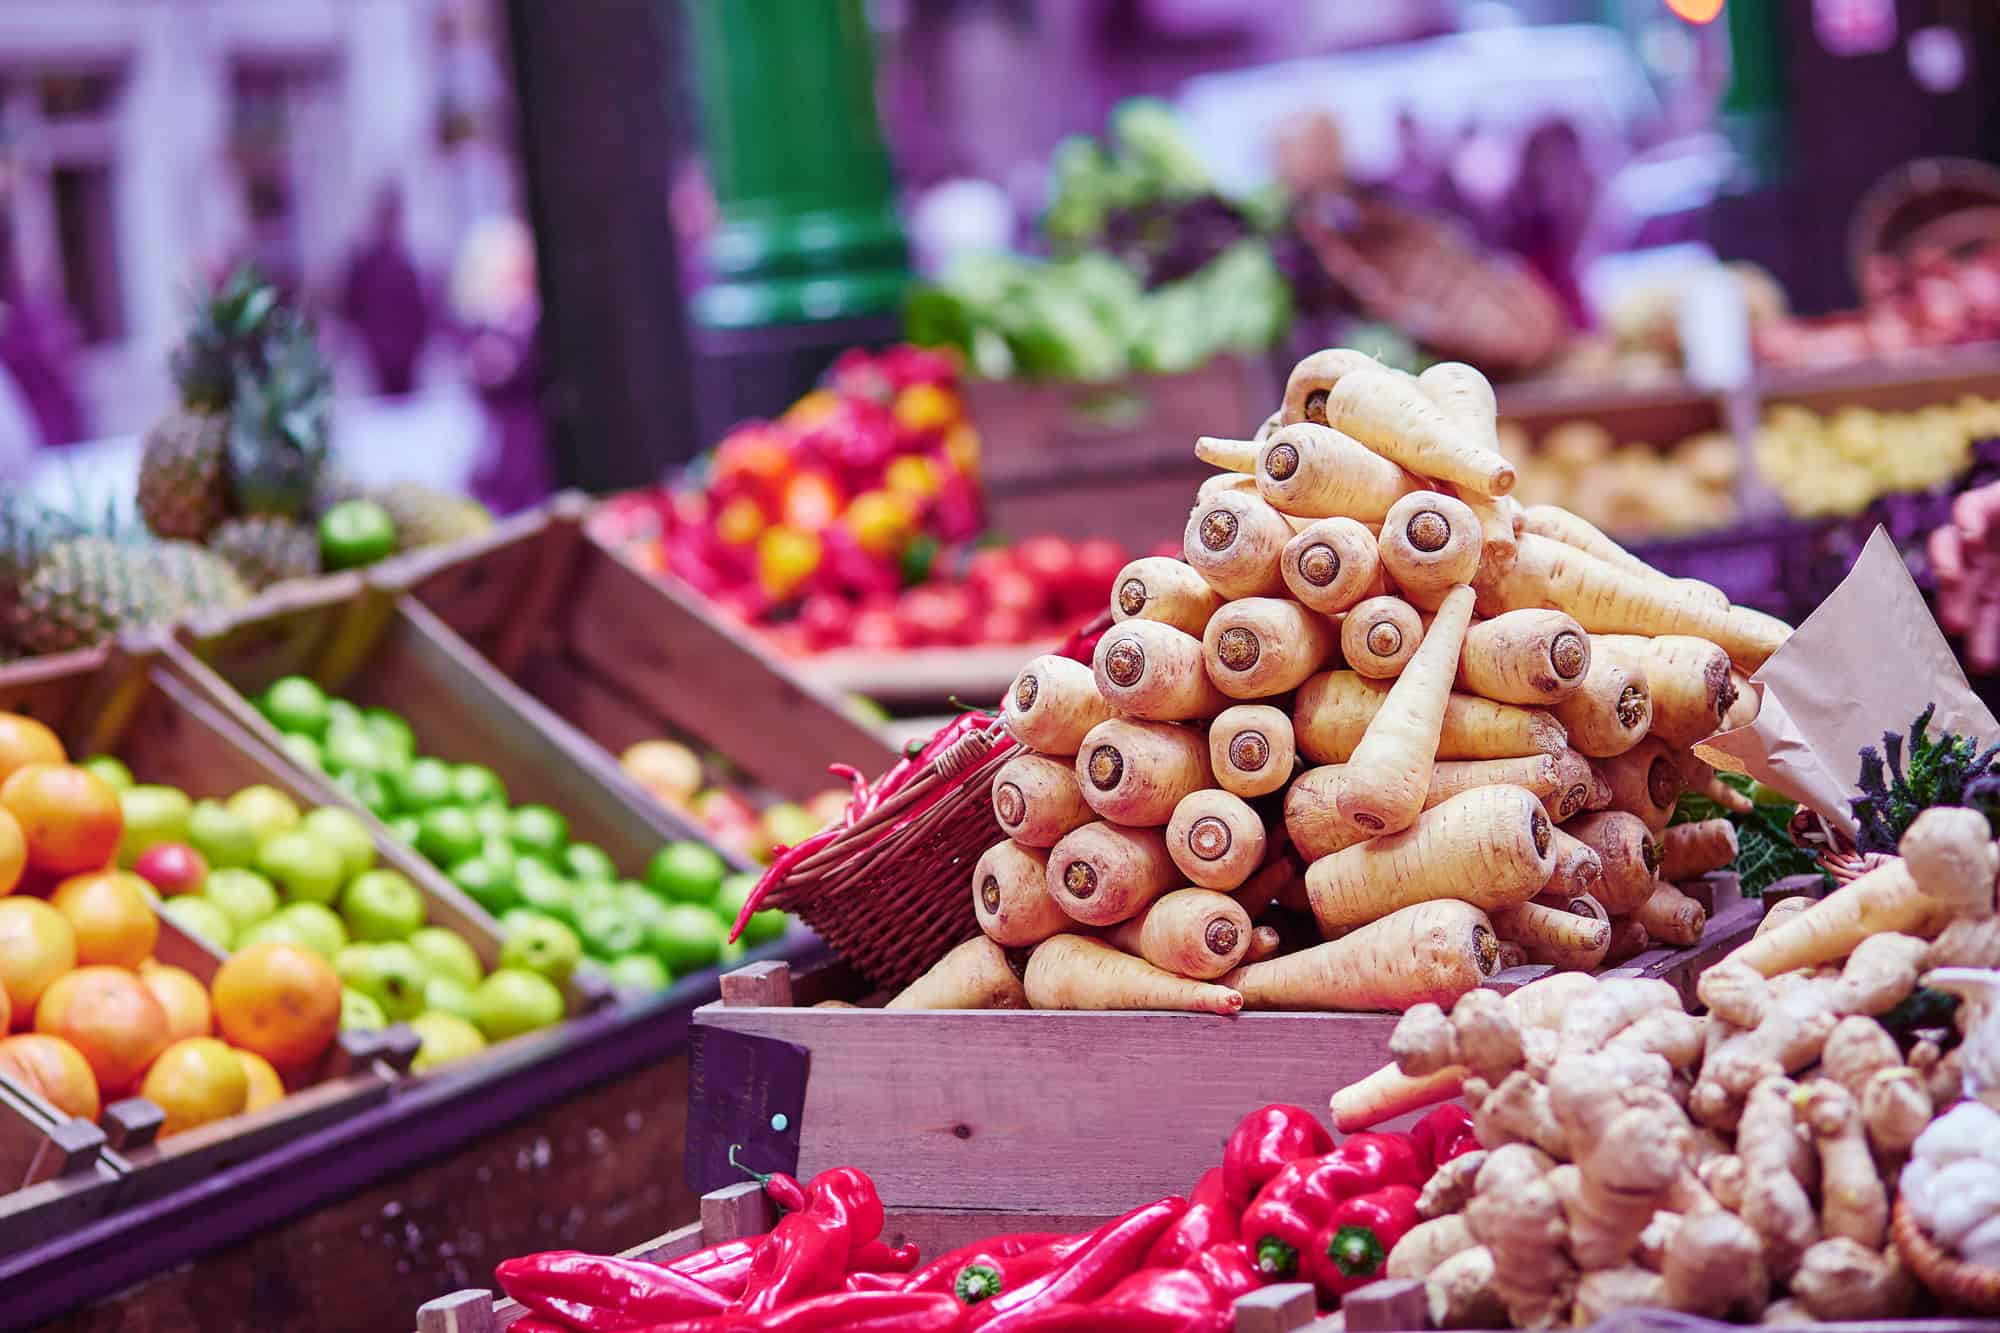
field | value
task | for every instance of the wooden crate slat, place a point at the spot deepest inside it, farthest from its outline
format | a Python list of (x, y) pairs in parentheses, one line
[(55, 1173)]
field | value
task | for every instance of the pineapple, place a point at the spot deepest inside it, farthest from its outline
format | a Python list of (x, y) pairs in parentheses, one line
[(86, 589), (278, 427), (183, 484), (203, 577), (428, 517), (267, 549)]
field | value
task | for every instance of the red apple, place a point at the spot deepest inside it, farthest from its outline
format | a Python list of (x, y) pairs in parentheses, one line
[(1011, 590), (877, 630), (172, 868), (936, 613)]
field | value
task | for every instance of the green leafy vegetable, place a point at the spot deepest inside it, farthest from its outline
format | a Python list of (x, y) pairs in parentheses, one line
[(1765, 852), (1942, 770)]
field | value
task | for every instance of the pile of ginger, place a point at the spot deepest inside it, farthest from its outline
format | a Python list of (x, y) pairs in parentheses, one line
[(1738, 1164)]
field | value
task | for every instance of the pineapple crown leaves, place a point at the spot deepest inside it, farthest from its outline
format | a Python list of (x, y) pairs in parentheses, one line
[(1945, 769), (229, 330), (279, 426)]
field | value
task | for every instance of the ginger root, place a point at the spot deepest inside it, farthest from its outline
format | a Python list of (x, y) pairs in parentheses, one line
[(1674, 1036), (1856, 1049), (1950, 853), (1615, 1004), (1853, 1201), (1895, 1108), (1517, 1111), (1422, 1041), (1879, 974), (1450, 1186), (1735, 993), (1722, 1177), (1602, 1292), (1621, 1181), (1775, 1202), (1714, 1265), (1428, 1244), (1464, 1291), (1838, 1278), (1518, 1217), (1966, 942)]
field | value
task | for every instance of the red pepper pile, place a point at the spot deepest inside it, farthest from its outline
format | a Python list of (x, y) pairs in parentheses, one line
[(1285, 1205)]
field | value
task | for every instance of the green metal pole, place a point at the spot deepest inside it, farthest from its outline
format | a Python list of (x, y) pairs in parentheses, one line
[(795, 156)]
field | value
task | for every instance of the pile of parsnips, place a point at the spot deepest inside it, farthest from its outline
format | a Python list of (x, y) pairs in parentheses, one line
[(1741, 1164), (1376, 690)]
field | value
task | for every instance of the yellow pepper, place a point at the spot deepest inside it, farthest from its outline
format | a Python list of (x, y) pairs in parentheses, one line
[(961, 446), (786, 558), (926, 407), (740, 522), (913, 475), (815, 407), (881, 521)]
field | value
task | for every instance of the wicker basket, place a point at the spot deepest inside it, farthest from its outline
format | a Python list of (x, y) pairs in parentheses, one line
[(1959, 1286), (1427, 278)]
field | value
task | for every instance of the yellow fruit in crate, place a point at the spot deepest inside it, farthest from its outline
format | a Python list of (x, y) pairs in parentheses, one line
[(279, 1000), (196, 1081), (266, 1087), (667, 769), (185, 999), (786, 558)]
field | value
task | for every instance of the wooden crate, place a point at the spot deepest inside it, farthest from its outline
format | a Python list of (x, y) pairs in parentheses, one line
[(1902, 385), (625, 657), (57, 1170)]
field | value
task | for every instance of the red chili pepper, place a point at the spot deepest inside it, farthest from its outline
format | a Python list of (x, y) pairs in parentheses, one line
[(1263, 1142), (1113, 1251), (878, 1257), (1171, 1291), (1444, 1134), (1089, 1317), (1353, 1247), (940, 1273), (716, 1256), (846, 1311), (983, 1276), (1210, 1218), (602, 1293), (1228, 1268), (1282, 1221), (805, 1256), (529, 1323), (846, 1195)]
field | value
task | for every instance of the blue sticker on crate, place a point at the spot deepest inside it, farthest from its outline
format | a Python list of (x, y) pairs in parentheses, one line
[(746, 1091)]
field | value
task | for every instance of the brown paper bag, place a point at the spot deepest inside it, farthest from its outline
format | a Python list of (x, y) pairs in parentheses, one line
[(1868, 660)]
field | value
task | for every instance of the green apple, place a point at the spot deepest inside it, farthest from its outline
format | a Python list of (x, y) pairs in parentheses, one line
[(268, 810), (393, 733), (345, 833), (369, 789), (425, 784), (405, 828), (305, 752), (314, 926), (476, 785), (788, 825), (687, 872), (445, 1037), (485, 882), (761, 927), (446, 834), (447, 955), (730, 953), (538, 831), (586, 863), (442, 995), (543, 890), (494, 823), (639, 972), (606, 930), (687, 938), (360, 1012), (515, 917), (152, 814), (244, 896), (341, 713), (301, 865), (198, 916), (273, 929), (381, 905), (224, 838), (513, 1001), (353, 749), (542, 945), (296, 706), (388, 973), (110, 770)]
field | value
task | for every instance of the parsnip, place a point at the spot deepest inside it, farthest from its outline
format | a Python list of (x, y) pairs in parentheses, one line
[(1158, 587), (1010, 896), (1331, 713), (1102, 874), (1331, 564), (1431, 953), (1147, 669), (975, 975), (1256, 647), (1190, 932), (1628, 856), (1135, 773), (1688, 679), (1216, 839), (1611, 711), (1430, 544), (1077, 972), (1533, 658), (1382, 789), (1051, 703), (1389, 413), (1036, 800), (1233, 540), (1645, 781), (1250, 748), (1491, 846), (1378, 637), (1310, 471)]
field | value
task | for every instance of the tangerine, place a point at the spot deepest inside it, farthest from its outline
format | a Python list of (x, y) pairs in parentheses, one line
[(195, 1081), (69, 816), (13, 852), (182, 995), (266, 1087), (52, 1069), (37, 945), (108, 1014), (24, 741), (112, 913), (278, 1000)]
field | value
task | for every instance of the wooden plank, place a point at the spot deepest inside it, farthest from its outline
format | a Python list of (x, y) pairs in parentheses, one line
[(47, 688), (978, 675), (944, 1108), (659, 643), (1388, 1306), (469, 1311), (474, 585), (735, 1212), (1682, 967), (54, 1173), (767, 985), (1276, 1309)]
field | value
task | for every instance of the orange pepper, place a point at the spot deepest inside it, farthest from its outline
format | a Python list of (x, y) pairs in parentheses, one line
[(961, 446), (881, 521), (740, 521), (912, 475), (927, 407), (786, 558)]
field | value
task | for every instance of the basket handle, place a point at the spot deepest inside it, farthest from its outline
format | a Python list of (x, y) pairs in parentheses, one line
[(962, 754)]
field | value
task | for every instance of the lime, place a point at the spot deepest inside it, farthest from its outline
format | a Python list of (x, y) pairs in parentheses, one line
[(476, 784), (200, 917), (340, 713), (405, 827), (539, 831), (607, 931), (638, 972), (686, 938), (494, 822), (426, 783), (354, 533), (686, 872), (485, 882), (542, 945), (110, 770), (368, 788), (442, 995), (445, 1035), (762, 926), (296, 706), (446, 834), (447, 954), (514, 1000), (305, 751), (345, 833), (222, 836), (391, 733), (544, 890), (352, 748), (586, 861)]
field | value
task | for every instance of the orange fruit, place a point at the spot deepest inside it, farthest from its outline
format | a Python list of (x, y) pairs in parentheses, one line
[(54, 1070), (37, 945), (195, 1081), (185, 999), (13, 852), (69, 816), (24, 741), (266, 1087), (108, 1014), (278, 1000), (112, 915)]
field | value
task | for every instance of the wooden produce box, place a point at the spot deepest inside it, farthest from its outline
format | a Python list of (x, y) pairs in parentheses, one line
[(625, 657), (58, 1171), (1109, 460), (1901, 385)]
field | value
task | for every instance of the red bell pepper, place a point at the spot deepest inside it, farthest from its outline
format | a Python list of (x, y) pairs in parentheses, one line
[(940, 1273), (1113, 1252), (1444, 1134), (725, 1267), (602, 1293), (983, 1276), (863, 1280), (846, 1196), (805, 1256), (1172, 1291), (1353, 1248), (1227, 1268), (1263, 1142), (877, 1257), (529, 1323), (1210, 1219), (1282, 1222)]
